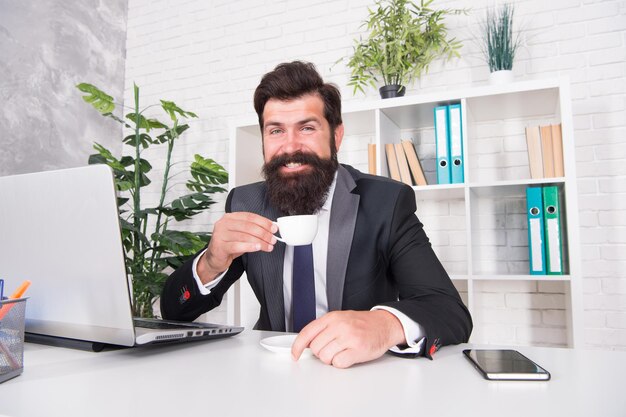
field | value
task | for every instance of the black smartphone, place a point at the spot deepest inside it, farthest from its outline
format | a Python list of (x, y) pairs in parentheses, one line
[(505, 364)]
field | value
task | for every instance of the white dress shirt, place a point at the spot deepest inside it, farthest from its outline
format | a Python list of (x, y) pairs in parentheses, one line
[(413, 332)]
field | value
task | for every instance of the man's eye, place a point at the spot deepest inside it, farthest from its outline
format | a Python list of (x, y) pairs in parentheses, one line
[(275, 131), (308, 128)]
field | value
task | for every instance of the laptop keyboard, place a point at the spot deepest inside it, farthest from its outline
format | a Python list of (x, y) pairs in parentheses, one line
[(165, 325)]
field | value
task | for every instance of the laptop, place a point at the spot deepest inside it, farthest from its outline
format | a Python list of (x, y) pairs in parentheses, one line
[(60, 230)]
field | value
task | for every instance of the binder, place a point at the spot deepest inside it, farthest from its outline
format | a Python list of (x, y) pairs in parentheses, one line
[(392, 162), (553, 234), (371, 158), (536, 249), (557, 151), (533, 140), (414, 163), (547, 151), (442, 144), (456, 143)]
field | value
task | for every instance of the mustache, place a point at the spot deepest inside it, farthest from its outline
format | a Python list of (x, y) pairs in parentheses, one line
[(297, 157)]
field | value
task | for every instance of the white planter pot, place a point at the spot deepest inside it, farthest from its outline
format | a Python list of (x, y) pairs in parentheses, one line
[(501, 77)]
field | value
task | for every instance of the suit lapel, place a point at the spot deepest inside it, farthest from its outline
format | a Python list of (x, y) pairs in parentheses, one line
[(273, 277), (341, 231)]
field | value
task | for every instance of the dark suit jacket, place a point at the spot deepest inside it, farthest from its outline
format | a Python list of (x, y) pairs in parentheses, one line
[(378, 254)]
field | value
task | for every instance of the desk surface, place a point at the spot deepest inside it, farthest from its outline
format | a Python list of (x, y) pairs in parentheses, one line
[(238, 377)]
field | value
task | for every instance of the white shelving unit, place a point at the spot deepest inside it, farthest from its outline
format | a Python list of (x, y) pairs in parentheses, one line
[(478, 228)]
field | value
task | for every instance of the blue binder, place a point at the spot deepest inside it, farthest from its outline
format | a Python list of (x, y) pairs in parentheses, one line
[(536, 248), (456, 143), (442, 143)]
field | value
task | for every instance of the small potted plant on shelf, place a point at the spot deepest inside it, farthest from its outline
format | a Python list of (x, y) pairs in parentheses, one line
[(404, 38), (499, 43)]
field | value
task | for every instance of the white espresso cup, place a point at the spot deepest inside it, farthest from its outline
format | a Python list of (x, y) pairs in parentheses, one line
[(297, 230)]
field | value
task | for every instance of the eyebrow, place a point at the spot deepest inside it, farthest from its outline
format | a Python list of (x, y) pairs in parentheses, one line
[(299, 122)]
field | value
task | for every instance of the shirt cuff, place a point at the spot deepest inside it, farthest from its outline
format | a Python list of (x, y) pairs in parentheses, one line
[(413, 332), (204, 289)]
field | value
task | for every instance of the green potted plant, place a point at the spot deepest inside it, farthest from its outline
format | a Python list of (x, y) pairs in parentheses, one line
[(404, 38), (153, 242), (500, 43)]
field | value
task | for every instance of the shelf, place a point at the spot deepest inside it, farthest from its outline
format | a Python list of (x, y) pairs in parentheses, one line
[(461, 277), (519, 278), (509, 188), (478, 229), (439, 191)]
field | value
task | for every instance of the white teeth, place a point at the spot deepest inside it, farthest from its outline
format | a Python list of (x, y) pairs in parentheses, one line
[(293, 164)]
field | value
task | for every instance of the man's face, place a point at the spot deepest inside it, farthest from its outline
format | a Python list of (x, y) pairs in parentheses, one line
[(297, 125), (300, 163)]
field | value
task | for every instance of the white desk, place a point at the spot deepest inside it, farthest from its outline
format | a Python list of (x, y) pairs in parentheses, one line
[(237, 377)]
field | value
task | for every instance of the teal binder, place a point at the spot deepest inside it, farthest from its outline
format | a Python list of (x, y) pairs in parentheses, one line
[(536, 249), (553, 235), (442, 145), (455, 131)]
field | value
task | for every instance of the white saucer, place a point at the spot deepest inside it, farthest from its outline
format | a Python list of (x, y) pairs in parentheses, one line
[(282, 344)]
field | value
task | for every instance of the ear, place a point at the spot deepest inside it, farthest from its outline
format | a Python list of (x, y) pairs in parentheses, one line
[(338, 136)]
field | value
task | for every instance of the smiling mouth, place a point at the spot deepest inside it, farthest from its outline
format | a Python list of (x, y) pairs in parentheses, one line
[(292, 165)]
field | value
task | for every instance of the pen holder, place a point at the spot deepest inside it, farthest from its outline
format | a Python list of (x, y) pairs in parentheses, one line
[(11, 337)]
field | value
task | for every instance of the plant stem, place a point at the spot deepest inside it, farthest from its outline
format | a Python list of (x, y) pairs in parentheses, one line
[(170, 148), (137, 243)]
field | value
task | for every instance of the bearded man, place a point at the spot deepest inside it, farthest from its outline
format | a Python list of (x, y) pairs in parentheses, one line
[(378, 285)]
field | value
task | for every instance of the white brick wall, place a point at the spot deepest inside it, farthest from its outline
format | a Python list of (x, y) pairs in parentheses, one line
[(208, 57)]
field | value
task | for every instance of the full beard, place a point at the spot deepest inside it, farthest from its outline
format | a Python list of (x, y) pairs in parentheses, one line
[(302, 192)]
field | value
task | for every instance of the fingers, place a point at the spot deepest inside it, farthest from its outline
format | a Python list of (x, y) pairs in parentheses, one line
[(306, 336), (238, 233), (323, 337), (245, 227), (343, 338)]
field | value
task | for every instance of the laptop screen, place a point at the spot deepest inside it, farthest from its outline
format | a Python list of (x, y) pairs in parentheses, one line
[(60, 229)]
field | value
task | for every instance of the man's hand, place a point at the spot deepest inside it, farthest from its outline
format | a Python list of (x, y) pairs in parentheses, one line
[(233, 235), (343, 338)]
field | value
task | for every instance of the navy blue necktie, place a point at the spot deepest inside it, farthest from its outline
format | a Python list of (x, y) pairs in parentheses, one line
[(303, 287)]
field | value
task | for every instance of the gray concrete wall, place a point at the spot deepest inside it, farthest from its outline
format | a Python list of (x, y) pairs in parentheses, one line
[(46, 48)]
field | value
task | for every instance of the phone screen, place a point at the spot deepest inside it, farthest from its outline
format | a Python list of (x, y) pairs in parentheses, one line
[(503, 364)]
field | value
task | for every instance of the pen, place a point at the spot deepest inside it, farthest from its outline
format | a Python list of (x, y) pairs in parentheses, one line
[(17, 294), (21, 289), (1, 289)]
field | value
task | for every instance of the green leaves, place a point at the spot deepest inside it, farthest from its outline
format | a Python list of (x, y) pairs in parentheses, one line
[(404, 38), (172, 109), (150, 247), (170, 134), (206, 171), (207, 178), (499, 43), (143, 123), (100, 100), (124, 177), (179, 242)]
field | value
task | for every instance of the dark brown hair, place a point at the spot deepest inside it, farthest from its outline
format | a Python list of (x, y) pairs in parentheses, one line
[(291, 80)]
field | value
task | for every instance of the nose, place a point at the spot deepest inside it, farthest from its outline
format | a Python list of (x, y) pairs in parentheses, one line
[(292, 141)]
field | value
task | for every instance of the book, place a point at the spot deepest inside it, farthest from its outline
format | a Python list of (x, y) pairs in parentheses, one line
[(392, 162), (557, 150), (371, 158), (405, 174), (533, 141), (414, 163), (442, 144), (547, 152), (455, 132)]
